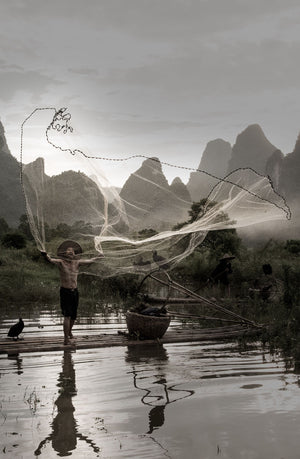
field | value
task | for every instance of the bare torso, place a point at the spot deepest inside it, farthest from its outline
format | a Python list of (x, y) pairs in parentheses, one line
[(69, 268), (68, 271)]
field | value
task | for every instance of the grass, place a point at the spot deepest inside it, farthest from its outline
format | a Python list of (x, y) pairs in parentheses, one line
[(26, 279)]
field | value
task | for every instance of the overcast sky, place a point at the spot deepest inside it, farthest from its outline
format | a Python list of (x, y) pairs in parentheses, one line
[(156, 77)]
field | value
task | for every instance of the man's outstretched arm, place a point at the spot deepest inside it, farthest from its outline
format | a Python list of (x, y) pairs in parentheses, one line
[(55, 261), (89, 261)]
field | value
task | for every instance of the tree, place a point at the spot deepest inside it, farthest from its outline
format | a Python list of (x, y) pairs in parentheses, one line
[(24, 227), (219, 241), (4, 228), (147, 232), (14, 240), (293, 246), (62, 230)]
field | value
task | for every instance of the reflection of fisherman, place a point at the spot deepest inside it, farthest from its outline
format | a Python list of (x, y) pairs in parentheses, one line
[(64, 428), (64, 425), (221, 272), (63, 436)]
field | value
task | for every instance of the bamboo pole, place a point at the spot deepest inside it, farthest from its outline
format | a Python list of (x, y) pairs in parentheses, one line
[(171, 300), (195, 316), (192, 294)]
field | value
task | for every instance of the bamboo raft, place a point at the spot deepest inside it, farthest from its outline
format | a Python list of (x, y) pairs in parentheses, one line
[(155, 330), (42, 343)]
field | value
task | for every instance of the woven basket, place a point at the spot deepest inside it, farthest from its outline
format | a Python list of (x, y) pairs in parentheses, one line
[(147, 327)]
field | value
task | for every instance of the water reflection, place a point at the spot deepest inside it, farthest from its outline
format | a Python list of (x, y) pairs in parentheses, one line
[(18, 362), (64, 434), (159, 396)]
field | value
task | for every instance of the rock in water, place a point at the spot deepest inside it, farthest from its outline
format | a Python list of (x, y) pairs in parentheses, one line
[(16, 329)]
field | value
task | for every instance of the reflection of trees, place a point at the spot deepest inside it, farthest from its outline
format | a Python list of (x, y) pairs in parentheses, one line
[(148, 355), (64, 427)]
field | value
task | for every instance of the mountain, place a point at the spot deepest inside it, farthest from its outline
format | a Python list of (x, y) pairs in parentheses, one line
[(274, 168), (64, 198), (284, 172), (110, 192), (150, 201), (180, 190), (289, 183), (72, 196), (214, 161), (251, 149), (11, 195)]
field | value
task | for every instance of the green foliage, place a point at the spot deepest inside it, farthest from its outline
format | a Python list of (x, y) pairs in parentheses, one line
[(94, 287), (293, 246), (198, 209), (24, 227), (147, 232), (291, 286), (223, 241), (65, 231), (4, 228), (24, 281), (26, 278), (217, 242), (14, 241), (196, 267), (62, 230)]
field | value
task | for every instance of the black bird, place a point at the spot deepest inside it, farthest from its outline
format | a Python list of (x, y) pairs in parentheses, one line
[(160, 261), (154, 311), (16, 329)]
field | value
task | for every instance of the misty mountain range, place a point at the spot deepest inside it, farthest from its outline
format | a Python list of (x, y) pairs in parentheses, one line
[(150, 201)]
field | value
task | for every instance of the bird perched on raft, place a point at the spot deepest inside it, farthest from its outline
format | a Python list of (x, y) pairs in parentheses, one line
[(16, 329)]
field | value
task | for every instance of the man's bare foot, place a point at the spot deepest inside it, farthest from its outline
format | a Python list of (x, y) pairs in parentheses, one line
[(66, 342)]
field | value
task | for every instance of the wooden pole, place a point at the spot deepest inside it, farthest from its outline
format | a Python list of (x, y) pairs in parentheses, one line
[(192, 294)]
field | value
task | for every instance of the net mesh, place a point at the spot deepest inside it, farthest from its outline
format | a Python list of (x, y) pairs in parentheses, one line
[(143, 227)]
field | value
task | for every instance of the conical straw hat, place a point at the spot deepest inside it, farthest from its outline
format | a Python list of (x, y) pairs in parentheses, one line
[(61, 251)]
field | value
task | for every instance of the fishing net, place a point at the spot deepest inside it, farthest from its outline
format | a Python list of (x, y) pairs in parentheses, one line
[(144, 227)]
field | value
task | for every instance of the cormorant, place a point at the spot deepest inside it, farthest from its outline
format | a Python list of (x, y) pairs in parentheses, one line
[(16, 329)]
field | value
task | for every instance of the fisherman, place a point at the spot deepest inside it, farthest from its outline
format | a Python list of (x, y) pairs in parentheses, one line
[(68, 264), (220, 275)]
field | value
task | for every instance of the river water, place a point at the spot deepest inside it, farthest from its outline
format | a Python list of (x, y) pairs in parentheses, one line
[(205, 400)]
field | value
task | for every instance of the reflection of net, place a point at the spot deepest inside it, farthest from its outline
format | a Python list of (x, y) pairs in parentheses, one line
[(81, 200)]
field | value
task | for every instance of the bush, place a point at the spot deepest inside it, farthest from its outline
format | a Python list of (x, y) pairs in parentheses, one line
[(293, 246), (14, 240), (4, 228)]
